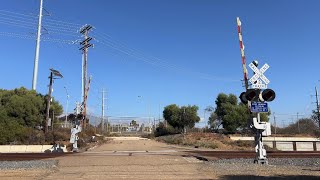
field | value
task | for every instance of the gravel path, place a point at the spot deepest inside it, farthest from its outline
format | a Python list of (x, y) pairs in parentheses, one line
[(37, 164)]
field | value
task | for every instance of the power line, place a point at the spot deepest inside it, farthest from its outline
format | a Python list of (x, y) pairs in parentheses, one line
[(68, 28), (18, 20), (11, 13), (51, 29), (21, 19), (33, 24), (28, 20), (17, 25), (33, 37), (21, 14), (64, 22), (152, 60)]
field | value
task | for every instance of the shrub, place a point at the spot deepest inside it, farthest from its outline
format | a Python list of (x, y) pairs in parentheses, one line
[(162, 130)]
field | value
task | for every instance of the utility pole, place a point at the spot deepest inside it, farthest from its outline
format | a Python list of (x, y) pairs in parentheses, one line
[(275, 123), (298, 122), (66, 121), (102, 118), (48, 103), (52, 121), (154, 122), (36, 58), (84, 112), (85, 45), (159, 112), (318, 111), (52, 74), (148, 106)]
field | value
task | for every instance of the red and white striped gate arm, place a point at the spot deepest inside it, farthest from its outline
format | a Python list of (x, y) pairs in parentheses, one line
[(245, 71)]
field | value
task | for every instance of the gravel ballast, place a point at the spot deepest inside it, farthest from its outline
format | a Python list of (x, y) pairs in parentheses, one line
[(36, 164), (277, 168), (308, 162)]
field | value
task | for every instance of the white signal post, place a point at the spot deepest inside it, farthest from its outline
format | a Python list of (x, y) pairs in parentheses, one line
[(260, 81)]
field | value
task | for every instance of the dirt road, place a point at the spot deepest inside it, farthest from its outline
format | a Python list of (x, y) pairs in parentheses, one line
[(148, 159)]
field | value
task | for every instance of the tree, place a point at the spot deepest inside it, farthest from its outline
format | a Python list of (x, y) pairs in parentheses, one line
[(209, 109), (22, 110), (11, 130), (236, 117), (221, 101), (231, 114), (213, 122), (179, 118), (25, 107), (189, 116), (133, 123), (55, 107), (171, 114)]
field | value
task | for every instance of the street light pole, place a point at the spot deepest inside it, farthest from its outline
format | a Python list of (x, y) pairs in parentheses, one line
[(52, 74), (48, 103), (66, 121)]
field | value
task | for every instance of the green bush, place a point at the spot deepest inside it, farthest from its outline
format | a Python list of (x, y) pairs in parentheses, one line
[(162, 130)]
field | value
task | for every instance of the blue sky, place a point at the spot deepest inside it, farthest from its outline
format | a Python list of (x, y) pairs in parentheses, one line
[(183, 52)]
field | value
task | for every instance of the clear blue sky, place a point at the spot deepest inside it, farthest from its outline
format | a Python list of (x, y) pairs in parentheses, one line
[(192, 48)]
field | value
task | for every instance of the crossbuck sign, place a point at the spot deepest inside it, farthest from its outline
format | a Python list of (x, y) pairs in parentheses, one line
[(259, 80)]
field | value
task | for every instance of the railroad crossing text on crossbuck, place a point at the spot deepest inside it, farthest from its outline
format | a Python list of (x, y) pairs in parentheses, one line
[(258, 78)]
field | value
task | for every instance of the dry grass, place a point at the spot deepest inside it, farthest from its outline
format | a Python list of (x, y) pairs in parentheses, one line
[(206, 140)]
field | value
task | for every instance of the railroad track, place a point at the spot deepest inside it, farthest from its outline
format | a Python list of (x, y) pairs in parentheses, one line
[(203, 154), (29, 156), (251, 154)]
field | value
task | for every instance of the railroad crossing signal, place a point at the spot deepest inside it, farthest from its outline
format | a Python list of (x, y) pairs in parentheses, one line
[(268, 95), (257, 95), (258, 78)]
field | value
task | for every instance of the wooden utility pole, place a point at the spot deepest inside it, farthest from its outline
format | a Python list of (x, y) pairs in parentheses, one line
[(103, 108), (48, 103), (318, 111), (85, 87), (53, 73), (275, 123)]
